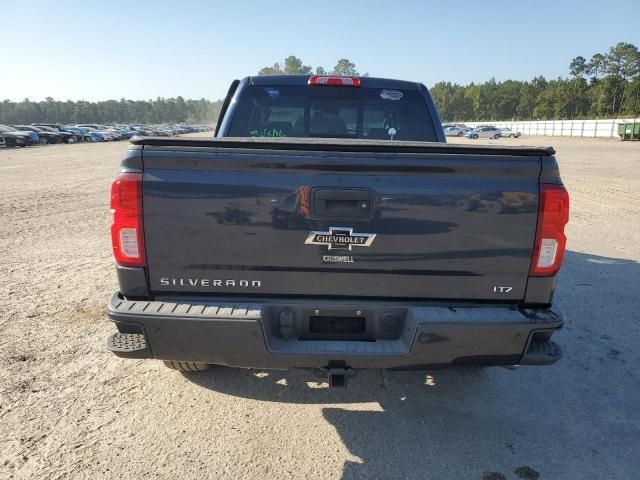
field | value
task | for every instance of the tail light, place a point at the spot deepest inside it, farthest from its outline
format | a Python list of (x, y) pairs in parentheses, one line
[(334, 81), (553, 215), (127, 234)]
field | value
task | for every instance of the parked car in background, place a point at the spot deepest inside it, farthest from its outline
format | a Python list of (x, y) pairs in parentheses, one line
[(45, 133), (119, 133), (161, 131), (92, 135), (104, 131), (454, 131), (82, 133), (129, 130), (62, 130), (35, 137), (78, 132), (156, 132), (115, 132), (14, 138), (181, 128), (66, 137), (507, 132), (484, 132), (46, 137), (108, 134), (143, 129)]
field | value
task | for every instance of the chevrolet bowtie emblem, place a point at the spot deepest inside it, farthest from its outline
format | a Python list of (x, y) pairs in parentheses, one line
[(340, 238)]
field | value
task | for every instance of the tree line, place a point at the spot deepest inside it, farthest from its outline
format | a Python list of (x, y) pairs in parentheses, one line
[(142, 111), (605, 86), (159, 110), (292, 65)]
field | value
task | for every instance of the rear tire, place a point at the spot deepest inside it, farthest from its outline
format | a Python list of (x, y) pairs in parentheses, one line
[(460, 133), (496, 136), (186, 366), (474, 136), (44, 141)]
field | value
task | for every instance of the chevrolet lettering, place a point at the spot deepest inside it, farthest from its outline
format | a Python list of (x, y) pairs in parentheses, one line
[(341, 238)]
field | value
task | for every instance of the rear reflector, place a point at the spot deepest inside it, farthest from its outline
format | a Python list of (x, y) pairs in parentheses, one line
[(553, 215), (334, 81), (129, 242), (127, 234)]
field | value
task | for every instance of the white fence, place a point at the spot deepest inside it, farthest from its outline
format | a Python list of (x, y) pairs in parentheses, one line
[(564, 128)]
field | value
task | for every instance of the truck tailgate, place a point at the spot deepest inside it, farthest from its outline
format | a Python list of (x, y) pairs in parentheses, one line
[(442, 223)]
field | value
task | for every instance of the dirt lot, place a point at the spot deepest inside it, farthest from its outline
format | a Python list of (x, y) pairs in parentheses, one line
[(69, 409)]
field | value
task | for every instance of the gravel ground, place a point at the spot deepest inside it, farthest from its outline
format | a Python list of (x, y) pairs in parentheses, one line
[(69, 409)]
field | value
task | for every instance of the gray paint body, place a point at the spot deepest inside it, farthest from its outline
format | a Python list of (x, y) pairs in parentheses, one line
[(230, 218), (447, 226)]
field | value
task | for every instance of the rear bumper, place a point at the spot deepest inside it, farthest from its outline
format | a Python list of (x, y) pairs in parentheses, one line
[(399, 336)]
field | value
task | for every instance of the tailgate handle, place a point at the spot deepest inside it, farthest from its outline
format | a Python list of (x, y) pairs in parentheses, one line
[(350, 203)]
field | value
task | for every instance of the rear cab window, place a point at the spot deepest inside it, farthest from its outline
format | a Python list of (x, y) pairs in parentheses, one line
[(332, 112)]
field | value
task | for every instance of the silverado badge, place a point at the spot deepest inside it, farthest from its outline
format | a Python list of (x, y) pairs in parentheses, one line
[(340, 238)]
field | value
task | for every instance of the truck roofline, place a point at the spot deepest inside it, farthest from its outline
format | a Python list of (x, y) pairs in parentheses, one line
[(239, 86), (366, 82)]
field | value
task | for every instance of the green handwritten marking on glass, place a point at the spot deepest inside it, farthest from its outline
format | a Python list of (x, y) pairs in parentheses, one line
[(267, 132)]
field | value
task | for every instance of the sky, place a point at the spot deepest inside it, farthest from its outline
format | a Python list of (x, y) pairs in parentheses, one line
[(147, 49)]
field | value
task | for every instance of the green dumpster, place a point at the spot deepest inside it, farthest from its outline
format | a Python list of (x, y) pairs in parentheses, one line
[(629, 131)]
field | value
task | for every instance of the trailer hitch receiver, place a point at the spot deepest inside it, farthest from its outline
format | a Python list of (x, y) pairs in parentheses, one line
[(337, 377)]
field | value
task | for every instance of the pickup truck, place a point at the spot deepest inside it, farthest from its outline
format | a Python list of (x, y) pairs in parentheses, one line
[(328, 225)]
